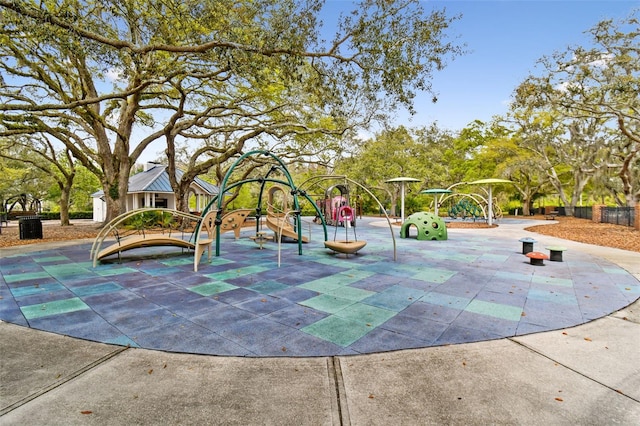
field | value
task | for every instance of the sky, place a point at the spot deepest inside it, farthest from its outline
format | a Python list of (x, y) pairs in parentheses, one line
[(504, 41)]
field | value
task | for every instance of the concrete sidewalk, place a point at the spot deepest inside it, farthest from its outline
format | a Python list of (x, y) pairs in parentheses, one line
[(586, 375), (589, 374)]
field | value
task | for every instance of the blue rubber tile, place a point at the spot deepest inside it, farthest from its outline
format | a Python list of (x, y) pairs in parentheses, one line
[(296, 316), (377, 283), (235, 296), (552, 297), (222, 315), (514, 297), (429, 311), (382, 340), (193, 308), (456, 334), (423, 329), (263, 304), (255, 333), (83, 324), (300, 344), (211, 344), (295, 294), (437, 298), (212, 288), (551, 315)]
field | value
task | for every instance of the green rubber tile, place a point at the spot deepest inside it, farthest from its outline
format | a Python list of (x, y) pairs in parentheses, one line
[(115, 271), (50, 259), (178, 262), (351, 293), (340, 331), (15, 278), (235, 273), (498, 310), (268, 287), (36, 289), (433, 275), (367, 314), (66, 270), (327, 303), (322, 285), (212, 288), (562, 282), (53, 308), (513, 276), (611, 270)]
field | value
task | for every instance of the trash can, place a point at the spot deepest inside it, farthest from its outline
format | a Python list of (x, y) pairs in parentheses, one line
[(30, 227)]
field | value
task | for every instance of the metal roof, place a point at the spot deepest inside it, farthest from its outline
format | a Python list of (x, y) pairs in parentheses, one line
[(156, 179)]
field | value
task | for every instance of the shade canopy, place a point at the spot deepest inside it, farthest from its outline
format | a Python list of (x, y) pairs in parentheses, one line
[(490, 182), (402, 180), (436, 191)]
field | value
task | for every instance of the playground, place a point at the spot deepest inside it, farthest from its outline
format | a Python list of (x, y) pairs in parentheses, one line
[(475, 286)]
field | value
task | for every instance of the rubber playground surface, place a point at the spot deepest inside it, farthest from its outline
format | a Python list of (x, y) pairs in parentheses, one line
[(250, 302)]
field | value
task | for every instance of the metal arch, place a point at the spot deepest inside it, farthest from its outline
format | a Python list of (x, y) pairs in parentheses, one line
[(327, 177)]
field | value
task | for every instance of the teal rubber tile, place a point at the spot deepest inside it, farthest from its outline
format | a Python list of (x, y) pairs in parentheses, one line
[(340, 331), (49, 259), (369, 315), (92, 290), (327, 303), (497, 310), (53, 308), (395, 298), (552, 297), (614, 270), (434, 275), (35, 289), (322, 285), (16, 278), (350, 293), (122, 270), (516, 276), (236, 273), (212, 288), (446, 300), (177, 262), (562, 282)]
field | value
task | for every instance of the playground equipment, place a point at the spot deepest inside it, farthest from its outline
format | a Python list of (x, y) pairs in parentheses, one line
[(150, 227), (336, 208), (277, 216), (429, 226), (338, 212), (464, 209)]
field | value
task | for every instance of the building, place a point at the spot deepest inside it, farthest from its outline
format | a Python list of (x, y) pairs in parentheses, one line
[(151, 188)]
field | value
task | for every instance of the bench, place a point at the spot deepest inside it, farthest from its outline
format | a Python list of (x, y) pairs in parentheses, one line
[(555, 253), (551, 215), (537, 258)]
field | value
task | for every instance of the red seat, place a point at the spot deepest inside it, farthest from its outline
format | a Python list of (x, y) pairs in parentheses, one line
[(537, 258)]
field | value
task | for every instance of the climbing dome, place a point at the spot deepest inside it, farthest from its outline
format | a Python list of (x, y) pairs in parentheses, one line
[(429, 226)]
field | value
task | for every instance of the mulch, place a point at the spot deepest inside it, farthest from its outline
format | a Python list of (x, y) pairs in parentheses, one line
[(568, 228)]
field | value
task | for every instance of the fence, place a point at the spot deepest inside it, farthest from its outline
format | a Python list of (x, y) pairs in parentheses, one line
[(618, 215), (583, 212)]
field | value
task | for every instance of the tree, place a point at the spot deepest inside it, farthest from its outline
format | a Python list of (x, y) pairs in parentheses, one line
[(109, 79), (40, 154), (597, 86)]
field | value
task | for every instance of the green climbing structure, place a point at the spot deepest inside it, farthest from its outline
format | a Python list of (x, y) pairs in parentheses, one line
[(429, 226)]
